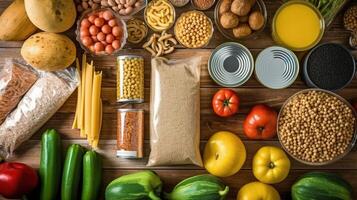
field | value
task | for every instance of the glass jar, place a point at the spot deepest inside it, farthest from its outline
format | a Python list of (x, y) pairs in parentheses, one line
[(130, 133), (130, 79)]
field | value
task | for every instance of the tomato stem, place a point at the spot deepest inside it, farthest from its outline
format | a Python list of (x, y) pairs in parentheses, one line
[(271, 165)]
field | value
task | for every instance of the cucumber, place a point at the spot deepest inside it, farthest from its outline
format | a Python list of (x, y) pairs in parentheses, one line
[(321, 186), (137, 186), (72, 172), (199, 187), (50, 165), (92, 175)]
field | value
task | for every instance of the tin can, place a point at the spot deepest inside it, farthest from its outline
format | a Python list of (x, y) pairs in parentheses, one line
[(231, 64), (130, 133), (130, 79)]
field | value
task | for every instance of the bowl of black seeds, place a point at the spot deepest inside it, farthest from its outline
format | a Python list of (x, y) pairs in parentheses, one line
[(329, 66)]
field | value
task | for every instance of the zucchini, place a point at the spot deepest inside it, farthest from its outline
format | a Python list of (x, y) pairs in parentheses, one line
[(50, 165), (72, 172), (321, 186), (145, 185), (92, 175), (199, 187)]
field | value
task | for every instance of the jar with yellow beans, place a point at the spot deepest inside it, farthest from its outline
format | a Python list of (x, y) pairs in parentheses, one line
[(130, 79)]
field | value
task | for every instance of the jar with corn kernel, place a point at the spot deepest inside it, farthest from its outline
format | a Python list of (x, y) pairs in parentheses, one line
[(130, 79)]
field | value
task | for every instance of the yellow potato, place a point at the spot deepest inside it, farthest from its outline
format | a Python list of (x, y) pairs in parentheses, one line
[(49, 51)]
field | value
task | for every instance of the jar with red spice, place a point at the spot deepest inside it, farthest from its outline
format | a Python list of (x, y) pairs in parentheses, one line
[(130, 133), (202, 4)]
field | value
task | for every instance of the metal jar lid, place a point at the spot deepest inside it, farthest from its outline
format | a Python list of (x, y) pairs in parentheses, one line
[(231, 64), (276, 67)]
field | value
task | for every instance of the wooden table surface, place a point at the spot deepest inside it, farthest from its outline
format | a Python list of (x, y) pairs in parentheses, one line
[(250, 93)]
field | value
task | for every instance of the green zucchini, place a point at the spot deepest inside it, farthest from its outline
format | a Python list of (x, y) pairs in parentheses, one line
[(72, 172), (321, 186), (92, 175), (50, 165), (145, 185), (199, 187)]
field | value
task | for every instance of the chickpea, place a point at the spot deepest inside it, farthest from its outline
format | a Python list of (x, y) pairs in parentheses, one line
[(316, 126), (193, 29), (130, 79)]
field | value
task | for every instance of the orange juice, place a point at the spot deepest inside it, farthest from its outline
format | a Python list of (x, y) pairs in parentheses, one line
[(298, 26)]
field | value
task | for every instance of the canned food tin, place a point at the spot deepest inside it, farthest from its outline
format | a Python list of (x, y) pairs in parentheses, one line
[(130, 133), (231, 64), (276, 67), (130, 79)]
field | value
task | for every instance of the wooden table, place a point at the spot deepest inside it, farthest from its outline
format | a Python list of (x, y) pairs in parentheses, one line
[(250, 93)]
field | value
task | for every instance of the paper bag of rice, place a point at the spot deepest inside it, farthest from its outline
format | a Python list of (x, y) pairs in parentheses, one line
[(175, 112)]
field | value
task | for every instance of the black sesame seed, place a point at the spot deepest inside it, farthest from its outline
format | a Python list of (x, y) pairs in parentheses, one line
[(330, 66)]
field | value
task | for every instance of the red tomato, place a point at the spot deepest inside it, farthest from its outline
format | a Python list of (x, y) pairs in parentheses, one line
[(84, 32), (99, 22), (261, 123), (87, 41), (92, 18), (116, 44), (109, 49), (94, 38), (98, 47), (117, 31), (85, 23), (107, 15), (106, 29), (101, 36), (112, 22), (225, 103), (109, 38), (93, 30)]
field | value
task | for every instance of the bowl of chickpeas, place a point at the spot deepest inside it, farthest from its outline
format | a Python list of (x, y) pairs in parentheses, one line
[(317, 127), (193, 29), (101, 32)]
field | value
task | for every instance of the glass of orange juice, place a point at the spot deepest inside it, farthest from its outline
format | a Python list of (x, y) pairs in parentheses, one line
[(298, 25)]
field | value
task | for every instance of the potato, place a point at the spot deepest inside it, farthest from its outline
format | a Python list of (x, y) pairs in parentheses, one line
[(241, 7), (256, 20), (54, 16), (49, 51), (229, 20), (243, 30), (225, 6)]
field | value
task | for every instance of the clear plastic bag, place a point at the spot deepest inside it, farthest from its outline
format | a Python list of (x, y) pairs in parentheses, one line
[(36, 107), (15, 80), (175, 112)]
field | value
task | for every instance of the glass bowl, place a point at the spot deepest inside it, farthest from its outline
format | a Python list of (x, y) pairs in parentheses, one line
[(350, 146), (120, 22), (198, 8), (278, 40), (200, 13), (153, 28), (227, 33)]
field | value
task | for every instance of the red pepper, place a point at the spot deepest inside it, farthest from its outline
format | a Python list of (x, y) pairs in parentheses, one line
[(16, 180)]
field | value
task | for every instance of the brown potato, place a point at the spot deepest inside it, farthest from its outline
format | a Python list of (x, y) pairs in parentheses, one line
[(241, 7), (242, 30), (256, 20), (229, 20), (225, 6)]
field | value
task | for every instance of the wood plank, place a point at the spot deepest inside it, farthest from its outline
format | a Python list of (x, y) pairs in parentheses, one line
[(29, 153)]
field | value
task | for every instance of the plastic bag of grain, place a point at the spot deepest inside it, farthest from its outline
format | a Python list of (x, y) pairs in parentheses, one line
[(37, 106), (175, 112), (15, 80)]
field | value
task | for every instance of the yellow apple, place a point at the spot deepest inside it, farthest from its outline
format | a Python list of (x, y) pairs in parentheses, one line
[(224, 154)]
